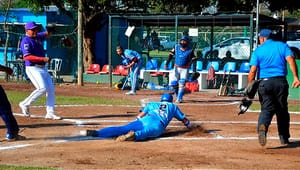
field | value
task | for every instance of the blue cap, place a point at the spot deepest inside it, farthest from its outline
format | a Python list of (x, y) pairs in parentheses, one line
[(184, 37), (265, 33), (30, 25)]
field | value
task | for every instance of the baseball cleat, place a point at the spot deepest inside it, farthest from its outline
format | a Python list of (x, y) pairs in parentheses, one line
[(128, 137), (10, 137), (283, 140), (262, 135), (52, 116), (25, 110), (130, 93)]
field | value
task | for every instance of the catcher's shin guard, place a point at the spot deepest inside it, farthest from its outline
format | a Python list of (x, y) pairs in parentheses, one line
[(181, 89), (174, 85)]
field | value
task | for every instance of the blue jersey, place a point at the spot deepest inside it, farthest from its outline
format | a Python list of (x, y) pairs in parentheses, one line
[(33, 46), (130, 54), (183, 58), (270, 59), (163, 112), (157, 117)]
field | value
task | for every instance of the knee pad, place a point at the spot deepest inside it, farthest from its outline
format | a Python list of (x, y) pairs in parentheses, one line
[(181, 83), (174, 83), (174, 86)]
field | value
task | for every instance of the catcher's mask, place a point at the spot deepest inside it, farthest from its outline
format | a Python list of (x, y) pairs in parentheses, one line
[(167, 97)]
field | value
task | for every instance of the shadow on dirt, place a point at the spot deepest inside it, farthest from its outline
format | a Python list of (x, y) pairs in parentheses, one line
[(104, 116), (293, 144)]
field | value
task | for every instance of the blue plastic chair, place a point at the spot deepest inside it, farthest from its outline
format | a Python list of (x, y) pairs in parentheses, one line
[(160, 72), (230, 66), (215, 64), (245, 67), (162, 65), (152, 64), (199, 66)]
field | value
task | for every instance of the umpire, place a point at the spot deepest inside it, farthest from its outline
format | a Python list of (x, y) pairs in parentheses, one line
[(269, 62)]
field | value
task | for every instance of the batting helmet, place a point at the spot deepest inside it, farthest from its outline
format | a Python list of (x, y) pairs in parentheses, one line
[(167, 97), (184, 37)]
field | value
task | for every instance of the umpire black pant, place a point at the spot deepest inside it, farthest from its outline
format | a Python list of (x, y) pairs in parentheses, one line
[(273, 93)]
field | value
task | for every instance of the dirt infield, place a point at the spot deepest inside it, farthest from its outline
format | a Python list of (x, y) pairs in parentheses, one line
[(222, 140)]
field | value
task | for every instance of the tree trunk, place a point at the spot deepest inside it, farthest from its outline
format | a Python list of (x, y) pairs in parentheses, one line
[(88, 57), (91, 26)]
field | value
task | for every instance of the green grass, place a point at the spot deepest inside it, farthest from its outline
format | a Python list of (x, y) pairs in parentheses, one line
[(292, 108), (15, 97), (8, 167)]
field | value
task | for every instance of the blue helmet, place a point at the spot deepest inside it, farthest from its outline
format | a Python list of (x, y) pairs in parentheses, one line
[(167, 97)]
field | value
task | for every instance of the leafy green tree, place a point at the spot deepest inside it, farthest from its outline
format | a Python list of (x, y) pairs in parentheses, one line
[(95, 10)]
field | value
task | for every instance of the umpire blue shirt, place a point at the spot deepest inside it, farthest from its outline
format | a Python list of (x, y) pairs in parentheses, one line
[(270, 59)]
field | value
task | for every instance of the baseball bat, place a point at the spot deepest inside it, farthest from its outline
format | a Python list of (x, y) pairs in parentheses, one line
[(226, 84), (222, 84)]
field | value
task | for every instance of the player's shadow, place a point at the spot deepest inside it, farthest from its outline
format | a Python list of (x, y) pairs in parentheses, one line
[(172, 133), (293, 144), (104, 116), (41, 125)]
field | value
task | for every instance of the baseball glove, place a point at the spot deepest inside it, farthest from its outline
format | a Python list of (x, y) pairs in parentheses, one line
[(252, 89), (244, 105), (51, 28)]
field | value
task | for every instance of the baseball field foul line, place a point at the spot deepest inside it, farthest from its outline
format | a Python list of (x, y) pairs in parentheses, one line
[(82, 122)]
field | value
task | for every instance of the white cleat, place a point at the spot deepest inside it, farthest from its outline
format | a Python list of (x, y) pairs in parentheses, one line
[(130, 93), (52, 116), (25, 110)]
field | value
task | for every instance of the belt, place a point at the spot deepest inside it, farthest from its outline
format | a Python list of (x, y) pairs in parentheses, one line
[(274, 78), (39, 65), (186, 66)]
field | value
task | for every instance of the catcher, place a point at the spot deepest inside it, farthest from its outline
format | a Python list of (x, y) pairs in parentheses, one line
[(150, 123), (184, 56)]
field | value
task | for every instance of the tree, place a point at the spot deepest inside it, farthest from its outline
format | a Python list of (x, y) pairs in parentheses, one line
[(97, 10)]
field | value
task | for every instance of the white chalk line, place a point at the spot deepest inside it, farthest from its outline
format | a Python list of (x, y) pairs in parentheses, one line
[(14, 146), (82, 122), (200, 104)]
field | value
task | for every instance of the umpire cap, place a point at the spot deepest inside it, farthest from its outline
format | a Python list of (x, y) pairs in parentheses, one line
[(265, 33)]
